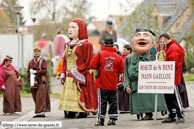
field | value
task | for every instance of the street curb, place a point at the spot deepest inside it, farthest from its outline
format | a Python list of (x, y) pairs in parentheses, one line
[(189, 82)]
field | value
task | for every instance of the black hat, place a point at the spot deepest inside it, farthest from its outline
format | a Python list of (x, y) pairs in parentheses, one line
[(108, 40), (144, 30)]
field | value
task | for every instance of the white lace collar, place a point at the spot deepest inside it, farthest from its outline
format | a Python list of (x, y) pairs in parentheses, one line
[(80, 41)]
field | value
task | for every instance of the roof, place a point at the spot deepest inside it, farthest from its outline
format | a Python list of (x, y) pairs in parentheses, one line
[(170, 10), (94, 33), (119, 18), (99, 25), (185, 28)]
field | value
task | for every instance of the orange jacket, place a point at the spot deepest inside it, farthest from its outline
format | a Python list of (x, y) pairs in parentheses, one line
[(59, 67)]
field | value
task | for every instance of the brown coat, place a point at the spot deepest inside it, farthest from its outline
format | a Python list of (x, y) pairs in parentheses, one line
[(34, 66), (104, 34), (12, 100), (41, 94)]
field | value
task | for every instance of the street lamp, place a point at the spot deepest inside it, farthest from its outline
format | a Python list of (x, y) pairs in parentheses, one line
[(34, 20), (18, 9), (9, 27)]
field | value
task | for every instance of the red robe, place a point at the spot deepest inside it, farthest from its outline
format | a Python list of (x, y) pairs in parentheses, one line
[(84, 52)]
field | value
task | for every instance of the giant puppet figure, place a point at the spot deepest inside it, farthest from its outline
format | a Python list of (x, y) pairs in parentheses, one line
[(79, 93), (161, 50), (140, 102)]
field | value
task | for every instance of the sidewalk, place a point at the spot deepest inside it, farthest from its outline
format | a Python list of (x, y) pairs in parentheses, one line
[(125, 121)]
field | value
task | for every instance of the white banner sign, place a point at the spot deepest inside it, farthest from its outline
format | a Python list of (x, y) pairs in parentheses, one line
[(156, 77)]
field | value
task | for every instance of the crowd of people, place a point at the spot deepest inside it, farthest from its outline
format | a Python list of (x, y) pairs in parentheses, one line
[(92, 81)]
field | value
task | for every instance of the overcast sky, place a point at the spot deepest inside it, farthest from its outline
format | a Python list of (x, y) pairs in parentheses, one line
[(100, 8)]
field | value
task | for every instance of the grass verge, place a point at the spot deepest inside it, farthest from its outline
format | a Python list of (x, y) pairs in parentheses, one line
[(188, 77)]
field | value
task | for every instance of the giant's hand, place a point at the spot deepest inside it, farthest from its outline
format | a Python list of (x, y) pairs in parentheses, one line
[(62, 78), (128, 90)]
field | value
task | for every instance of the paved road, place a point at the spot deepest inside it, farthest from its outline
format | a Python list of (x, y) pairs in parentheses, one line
[(56, 86), (125, 121), (190, 84)]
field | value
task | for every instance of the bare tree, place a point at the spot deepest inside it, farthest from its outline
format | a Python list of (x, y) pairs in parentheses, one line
[(44, 8), (6, 16), (56, 11), (57, 14), (141, 18), (10, 11)]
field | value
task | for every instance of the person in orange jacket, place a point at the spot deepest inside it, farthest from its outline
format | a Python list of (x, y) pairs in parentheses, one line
[(59, 68)]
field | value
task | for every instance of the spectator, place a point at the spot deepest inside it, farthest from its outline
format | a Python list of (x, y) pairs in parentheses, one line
[(124, 96), (47, 47), (108, 32), (174, 52), (110, 66), (153, 52), (59, 43), (116, 47)]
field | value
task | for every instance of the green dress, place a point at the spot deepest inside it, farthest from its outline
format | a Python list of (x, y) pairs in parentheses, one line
[(153, 54), (140, 102)]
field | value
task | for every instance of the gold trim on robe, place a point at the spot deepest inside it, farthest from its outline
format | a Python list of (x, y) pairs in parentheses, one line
[(70, 95)]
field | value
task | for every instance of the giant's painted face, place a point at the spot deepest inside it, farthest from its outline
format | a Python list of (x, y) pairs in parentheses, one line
[(73, 30), (142, 42)]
